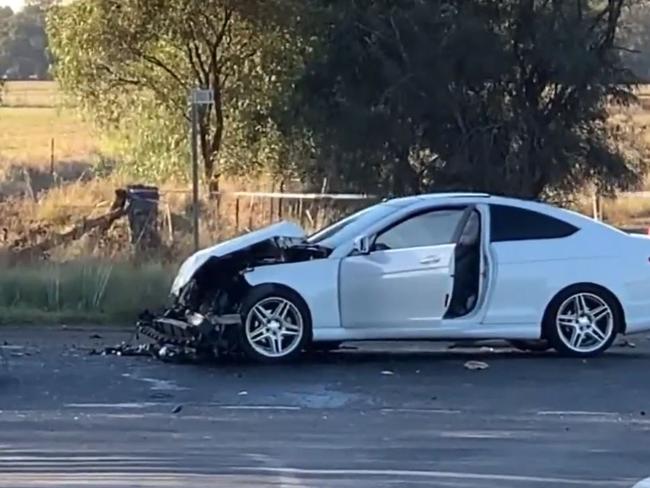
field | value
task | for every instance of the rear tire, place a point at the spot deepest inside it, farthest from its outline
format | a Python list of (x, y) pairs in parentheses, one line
[(276, 324), (582, 321)]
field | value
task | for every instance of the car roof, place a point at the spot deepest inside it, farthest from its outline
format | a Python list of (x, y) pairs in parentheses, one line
[(469, 198), (435, 197)]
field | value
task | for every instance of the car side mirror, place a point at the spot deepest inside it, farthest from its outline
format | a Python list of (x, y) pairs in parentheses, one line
[(362, 245)]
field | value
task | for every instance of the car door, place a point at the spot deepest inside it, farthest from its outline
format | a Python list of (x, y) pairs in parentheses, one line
[(407, 277)]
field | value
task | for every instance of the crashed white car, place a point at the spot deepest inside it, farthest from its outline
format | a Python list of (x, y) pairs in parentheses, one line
[(430, 267)]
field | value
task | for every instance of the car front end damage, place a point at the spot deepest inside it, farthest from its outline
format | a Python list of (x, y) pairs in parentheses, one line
[(205, 310)]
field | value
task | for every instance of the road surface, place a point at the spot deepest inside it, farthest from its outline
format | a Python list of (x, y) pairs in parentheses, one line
[(383, 415)]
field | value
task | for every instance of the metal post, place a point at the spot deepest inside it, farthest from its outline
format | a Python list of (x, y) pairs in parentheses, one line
[(195, 177), (52, 157)]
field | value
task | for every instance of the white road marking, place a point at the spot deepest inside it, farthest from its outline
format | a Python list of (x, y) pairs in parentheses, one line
[(578, 413), (421, 410), (114, 405), (497, 434), (258, 407), (643, 484), (401, 473), (143, 405), (284, 478), (257, 476), (157, 385)]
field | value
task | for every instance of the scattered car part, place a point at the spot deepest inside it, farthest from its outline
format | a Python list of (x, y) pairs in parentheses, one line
[(476, 365)]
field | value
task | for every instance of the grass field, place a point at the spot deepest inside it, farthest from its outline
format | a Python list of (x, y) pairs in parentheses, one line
[(81, 292), (31, 94), (32, 117)]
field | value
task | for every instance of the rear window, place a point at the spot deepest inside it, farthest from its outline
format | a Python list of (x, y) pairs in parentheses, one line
[(518, 224)]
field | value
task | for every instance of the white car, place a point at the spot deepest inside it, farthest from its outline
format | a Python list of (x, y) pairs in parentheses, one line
[(457, 266)]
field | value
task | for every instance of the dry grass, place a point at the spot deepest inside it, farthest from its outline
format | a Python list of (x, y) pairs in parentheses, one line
[(31, 94), (26, 136), (32, 117)]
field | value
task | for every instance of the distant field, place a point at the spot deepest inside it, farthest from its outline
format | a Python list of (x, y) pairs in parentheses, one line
[(31, 94), (31, 117)]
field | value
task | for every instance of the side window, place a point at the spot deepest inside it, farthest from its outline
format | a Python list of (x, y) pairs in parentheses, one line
[(518, 224), (427, 229)]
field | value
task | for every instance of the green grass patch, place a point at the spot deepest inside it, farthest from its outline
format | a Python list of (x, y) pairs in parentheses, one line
[(81, 292)]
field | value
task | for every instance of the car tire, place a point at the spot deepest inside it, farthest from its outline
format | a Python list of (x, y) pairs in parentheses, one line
[(276, 324), (531, 346), (582, 321)]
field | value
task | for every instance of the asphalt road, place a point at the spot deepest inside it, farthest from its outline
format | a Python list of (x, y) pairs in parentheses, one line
[(379, 416)]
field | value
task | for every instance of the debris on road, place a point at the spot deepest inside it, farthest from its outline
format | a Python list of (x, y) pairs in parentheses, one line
[(95, 336), (476, 365), (164, 352), (125, 349), (387, 372), (242, 393), (627, 343), (177, 409)]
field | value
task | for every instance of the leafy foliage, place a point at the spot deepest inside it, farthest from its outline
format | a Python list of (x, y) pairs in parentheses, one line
[(23, 42), (498, 95), (129, 61), (635, 37)]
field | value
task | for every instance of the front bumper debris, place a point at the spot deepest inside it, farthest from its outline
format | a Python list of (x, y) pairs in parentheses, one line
[(215, 333), (169, 330)]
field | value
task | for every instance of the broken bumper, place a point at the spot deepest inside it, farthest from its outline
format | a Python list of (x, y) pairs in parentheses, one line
[(195, 330)]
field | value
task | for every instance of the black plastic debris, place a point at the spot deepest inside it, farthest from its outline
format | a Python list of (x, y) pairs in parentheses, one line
[(170, 353), (125, 349)]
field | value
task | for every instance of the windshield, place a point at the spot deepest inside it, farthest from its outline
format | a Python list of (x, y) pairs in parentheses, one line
[(351, 226)]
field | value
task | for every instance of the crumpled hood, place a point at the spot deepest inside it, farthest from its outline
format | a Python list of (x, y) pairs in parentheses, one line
[(282, 229)]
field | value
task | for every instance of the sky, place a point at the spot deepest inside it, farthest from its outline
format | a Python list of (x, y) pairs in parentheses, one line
[(14, 4)]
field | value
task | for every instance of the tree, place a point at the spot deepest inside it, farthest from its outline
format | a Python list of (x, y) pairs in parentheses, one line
[(635, 35), (23, 42), (139, 60), (507, 96)]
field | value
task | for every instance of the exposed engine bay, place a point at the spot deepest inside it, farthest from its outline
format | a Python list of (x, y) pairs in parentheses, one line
[(206, 298)]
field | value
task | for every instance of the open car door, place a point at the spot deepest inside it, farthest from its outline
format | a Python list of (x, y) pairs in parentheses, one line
[(407, 278)]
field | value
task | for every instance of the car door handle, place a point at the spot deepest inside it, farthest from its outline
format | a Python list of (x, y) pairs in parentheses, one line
[(431, 260)]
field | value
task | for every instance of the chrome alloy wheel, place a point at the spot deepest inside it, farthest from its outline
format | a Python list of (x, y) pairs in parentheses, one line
[(274, 327), (585, 322)]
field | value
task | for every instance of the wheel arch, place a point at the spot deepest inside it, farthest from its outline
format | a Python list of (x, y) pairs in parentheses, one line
[(603, 289), (273, 286)]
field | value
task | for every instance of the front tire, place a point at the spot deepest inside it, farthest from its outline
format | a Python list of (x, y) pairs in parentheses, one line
[(276, 324), (582, 321)]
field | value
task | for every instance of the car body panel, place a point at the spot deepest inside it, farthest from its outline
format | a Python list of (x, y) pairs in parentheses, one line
[(383, 295), (398, 287), (315, 281), (282, 229)]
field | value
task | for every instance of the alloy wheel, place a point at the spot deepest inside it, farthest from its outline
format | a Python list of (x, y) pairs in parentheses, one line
[(274, 327), (585, 322)]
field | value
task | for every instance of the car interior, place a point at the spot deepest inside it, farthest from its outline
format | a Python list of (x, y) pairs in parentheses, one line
[(467, 272)]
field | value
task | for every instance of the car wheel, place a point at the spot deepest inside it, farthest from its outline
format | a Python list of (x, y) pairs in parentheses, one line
[(582, 321), (531, 346), (276, 324)]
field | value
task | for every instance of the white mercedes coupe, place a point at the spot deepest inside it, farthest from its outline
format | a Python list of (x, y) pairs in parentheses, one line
[(457, 266)]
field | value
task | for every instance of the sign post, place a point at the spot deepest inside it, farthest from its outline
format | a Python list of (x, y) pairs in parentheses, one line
[(198, 97)]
